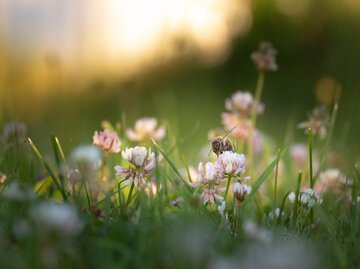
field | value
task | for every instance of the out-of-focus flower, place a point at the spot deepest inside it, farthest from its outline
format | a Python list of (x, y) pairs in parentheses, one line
[(209, 174), (230, 120), (2, 178), (275, 214), (107, 140), (212, 194), (143, 162), (18, 193), (258, 142), (61, 218), (265, 58), (243, 103), (74, 176), (241, 191), (190, 174), (307, 198), (318, 122), (221, 208), (14, 132), (177, 202), (331, 180), (299, 154), (255, 233), (145, 129), (230, 164), (87, 158)]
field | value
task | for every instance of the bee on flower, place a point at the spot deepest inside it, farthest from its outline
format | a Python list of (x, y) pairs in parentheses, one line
[(142, 162), (107, 141), (145, 129)]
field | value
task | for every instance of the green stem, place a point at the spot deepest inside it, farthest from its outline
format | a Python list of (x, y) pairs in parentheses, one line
[(310, 145), (297, 197), (258, 94), (103, 169), (227, 187), (130, 194)]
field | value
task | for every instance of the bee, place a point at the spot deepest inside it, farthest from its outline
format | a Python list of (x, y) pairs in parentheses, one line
[(219, 145)]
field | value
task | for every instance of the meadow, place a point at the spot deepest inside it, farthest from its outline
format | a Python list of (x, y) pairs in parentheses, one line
[(134, 198)]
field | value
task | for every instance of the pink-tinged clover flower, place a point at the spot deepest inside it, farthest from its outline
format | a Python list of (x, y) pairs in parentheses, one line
[(241, 191), (212, 194), (243, 103), (230, 164), (107, 141), (209, 174), (318, 122), (265, 58), (143, 163), (145, 129)]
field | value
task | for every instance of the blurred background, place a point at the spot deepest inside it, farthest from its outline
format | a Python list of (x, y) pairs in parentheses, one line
[(67, 65)]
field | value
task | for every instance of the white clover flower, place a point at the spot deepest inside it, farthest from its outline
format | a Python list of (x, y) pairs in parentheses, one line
[(18, 193), (107, 141), (292, 197), (144, 162), (212, 194), (231, 164), (241, 191), (209, 174), (56, 217), (87, 156), (265, 58), (221, 208), (243, 103), (145, 129)]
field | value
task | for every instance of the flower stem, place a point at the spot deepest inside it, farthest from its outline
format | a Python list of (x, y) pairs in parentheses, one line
[(297, 197), (227, 187), (103, 169), (130, 194), (258, 94)]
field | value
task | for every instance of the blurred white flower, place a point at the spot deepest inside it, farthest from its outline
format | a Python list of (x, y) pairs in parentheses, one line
[(145, 129), (331, 180), (144, 163), (87, 156), (241, 191), (212, 194), (292, 197), (265, 58), (318, 122), (221, 208), (14, 132), (107, 141), (209, 174), (243, 130), (307, 198), (18, 193), (299, 155), (231, 164), (243, 103), (61, 218), (255, 233)]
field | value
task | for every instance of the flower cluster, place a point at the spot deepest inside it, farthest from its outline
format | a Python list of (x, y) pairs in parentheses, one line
[(142, 165), (318, 122), (308, 198), (334, 181), (107, 141), (229, 165), (145, 129), (14, 132), (265, 58)]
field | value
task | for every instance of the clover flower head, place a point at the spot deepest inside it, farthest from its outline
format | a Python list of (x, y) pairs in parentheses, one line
[(230, 164), (241, 191), (221, 208), (243, 103), (145, 129), (143, 164), (318, 122), (265, 58), (308, 198), (212, 194), (107, 141), (209, 174)]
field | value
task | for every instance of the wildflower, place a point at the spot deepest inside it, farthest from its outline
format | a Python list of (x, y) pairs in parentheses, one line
[(211, 194), (299, 154), (318, 122), (306, 198), (18, 193), (265, 58), (331, 180), (221, 208), (255, 233), (190, 174), (87, 158), (143, 162), (107, 140), (243, 103), (275, 213), (56, 217), (209, 174), (292, 197), (14, 132), (145, 129), (230, 164), (2, 178), (241, 191)]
